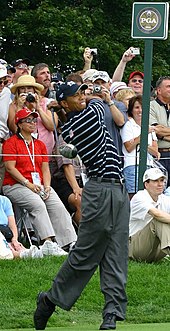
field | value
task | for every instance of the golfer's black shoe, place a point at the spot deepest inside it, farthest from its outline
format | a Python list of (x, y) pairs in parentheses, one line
[(43, 312), (109, 322)]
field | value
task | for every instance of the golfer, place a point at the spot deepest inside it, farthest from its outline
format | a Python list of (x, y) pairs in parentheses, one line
[(103, 231)]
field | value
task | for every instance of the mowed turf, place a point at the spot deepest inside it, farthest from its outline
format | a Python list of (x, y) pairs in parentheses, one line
[(148, 291), (120, 326)]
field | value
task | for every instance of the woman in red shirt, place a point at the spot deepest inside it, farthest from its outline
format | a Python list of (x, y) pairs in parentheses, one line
[(27, 183)]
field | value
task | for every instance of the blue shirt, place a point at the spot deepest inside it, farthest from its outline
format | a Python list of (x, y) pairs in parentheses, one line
[(5, 210)]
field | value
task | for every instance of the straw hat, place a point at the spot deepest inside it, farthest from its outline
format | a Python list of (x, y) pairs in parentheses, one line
[(26, 80)]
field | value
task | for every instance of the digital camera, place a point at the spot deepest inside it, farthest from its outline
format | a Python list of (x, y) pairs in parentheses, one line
[(97, 89), (93, 51), (135, 50), (30, 97)]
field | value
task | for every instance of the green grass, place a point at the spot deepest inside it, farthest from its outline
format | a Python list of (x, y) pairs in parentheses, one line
[(21, 280)]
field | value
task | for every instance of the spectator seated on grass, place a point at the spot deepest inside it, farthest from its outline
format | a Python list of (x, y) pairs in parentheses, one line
[(150, 219), (9, 245)]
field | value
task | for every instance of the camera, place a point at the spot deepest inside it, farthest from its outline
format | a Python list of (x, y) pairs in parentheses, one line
[(42, 194), (30, 97), (135, 50), (97, 89), (93, 51)]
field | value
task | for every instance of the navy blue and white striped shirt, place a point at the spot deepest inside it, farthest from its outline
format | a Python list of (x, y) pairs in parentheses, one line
[(86, 130)]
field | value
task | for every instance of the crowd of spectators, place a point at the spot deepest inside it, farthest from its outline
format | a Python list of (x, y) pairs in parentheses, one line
[(66, 177), (81, 205)]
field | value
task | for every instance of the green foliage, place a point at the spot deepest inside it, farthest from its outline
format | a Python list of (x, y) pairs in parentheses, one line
[(54, 31)]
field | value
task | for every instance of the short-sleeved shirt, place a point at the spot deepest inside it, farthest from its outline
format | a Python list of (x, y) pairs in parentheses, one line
[(19, 153), (5, 210), (158, 115), (130, 131), (140, 204)]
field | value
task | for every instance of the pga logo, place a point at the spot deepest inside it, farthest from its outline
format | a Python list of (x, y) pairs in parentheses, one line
[(149, 20)]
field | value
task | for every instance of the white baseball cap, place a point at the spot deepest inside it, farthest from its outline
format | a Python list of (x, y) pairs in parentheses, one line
[(103, 75), (153, 174), (89, 74), (3, 71), (117, 86)]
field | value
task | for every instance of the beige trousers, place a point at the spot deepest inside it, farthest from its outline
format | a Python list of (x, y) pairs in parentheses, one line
[(151, 243)]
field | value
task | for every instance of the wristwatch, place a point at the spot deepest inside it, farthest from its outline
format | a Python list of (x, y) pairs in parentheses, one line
[(25, 182), (111, 103)]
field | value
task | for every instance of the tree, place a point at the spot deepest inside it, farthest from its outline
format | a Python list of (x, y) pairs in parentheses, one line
[(56, 31)]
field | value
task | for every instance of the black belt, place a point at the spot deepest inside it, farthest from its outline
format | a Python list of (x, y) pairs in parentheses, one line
[(107, 180)]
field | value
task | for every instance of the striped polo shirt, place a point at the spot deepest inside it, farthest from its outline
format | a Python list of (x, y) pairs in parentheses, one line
[(86, 130)]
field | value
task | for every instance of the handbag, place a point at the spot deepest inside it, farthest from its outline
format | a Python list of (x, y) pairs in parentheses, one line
[(6, 231)]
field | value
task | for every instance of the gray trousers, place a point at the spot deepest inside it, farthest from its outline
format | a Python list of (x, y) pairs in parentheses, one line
[(49, 218), (102, 241)]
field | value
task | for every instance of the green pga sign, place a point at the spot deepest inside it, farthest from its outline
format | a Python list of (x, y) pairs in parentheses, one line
[(150, 20)]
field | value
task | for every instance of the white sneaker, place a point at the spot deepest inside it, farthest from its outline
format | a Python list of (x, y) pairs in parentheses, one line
[(25, 254), (50, 248), (47, 248), (33, 252), (58, 251)]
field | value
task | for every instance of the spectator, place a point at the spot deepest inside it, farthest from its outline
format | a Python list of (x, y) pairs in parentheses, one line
[(11, 71), (67, 181), (45, 126), (130, 134), (103, 230), (124, 95), (73, 76), (21, 68), (116, 87), (4, 105), (87, 76), (119, 71), (159, 117), (42, 75), (8, 228), (115, 118), (150, 220), (88, 58), (135, 81), (27, 183)]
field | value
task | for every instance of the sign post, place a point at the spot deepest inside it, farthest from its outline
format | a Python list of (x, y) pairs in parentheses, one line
[(149, 21)]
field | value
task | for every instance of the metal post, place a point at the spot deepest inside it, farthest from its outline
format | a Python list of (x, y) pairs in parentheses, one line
[(146, 109)]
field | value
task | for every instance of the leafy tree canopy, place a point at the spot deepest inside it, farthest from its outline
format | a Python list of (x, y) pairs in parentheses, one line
[(57, 31)]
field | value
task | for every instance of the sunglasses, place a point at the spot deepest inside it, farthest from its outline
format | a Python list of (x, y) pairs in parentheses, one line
[(22, 66), (137, 80), (29, 120), (4, 81)]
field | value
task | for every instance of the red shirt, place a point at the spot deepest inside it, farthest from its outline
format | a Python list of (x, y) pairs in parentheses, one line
[(16, 146)]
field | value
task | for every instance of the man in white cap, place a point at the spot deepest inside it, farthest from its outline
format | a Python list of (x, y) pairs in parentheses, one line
[(150, 219), (4, 105)]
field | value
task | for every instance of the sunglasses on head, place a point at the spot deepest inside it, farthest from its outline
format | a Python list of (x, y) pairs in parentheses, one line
[(4, 81), (29, 120), (137, 80)]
